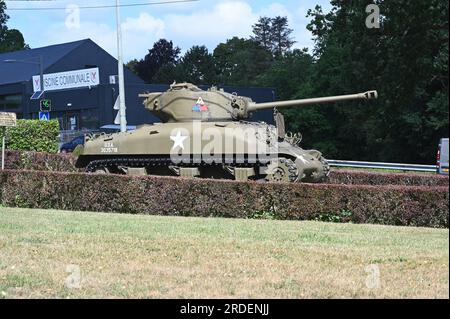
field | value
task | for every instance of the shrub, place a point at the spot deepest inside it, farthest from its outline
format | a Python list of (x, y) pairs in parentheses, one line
[(33, 135), (40, 161), (394, 205), (375, 178)]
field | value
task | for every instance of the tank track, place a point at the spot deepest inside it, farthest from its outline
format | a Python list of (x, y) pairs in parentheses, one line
[(149, 162), (112, 163), (128, 162), (292, 169)]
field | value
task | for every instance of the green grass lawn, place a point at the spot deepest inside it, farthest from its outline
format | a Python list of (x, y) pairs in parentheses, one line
[(44, 252)]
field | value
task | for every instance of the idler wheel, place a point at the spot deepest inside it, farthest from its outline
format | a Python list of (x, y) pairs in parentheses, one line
[(321, 175)]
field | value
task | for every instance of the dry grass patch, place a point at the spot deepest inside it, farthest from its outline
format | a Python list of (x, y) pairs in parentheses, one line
[(171, 257)]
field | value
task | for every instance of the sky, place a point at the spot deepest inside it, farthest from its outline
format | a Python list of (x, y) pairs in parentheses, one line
[(204, 22)]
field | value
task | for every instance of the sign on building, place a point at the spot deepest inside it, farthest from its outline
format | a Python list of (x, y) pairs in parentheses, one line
[(67, 80), (8, 119)]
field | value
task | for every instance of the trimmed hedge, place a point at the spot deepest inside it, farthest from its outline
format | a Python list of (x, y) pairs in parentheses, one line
[(394, 205), (39, 161), (66, 163), (374, 178), (33, 135)]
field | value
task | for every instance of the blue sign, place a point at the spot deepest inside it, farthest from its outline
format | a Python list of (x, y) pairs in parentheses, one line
[(44, 116)]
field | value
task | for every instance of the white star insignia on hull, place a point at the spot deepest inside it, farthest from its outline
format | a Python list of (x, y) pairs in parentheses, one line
[(178, 140)]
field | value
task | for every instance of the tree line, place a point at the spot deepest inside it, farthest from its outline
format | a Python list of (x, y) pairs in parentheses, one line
[(405, 59)]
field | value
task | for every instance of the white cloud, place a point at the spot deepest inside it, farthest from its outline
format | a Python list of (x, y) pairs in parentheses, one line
[(224, 20), (276, 9), (144, 23), (139, 33), (208, 24), (101, 33)]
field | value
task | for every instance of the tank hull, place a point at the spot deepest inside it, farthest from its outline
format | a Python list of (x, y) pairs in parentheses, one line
[(235, 150)]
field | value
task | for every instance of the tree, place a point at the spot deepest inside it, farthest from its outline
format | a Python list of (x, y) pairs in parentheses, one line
[(273, 34), (406, 60), (240, 61), (198, 65), (163, 53), (262, 31), (10, 39), (169, 73), (281, 35), (289, 74), (3, 16), (132, 65)]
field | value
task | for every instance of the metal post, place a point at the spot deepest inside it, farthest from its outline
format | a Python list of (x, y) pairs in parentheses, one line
[(41, 70), (122, 112), (3, 150)]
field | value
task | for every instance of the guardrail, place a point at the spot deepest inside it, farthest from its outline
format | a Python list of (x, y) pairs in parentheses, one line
[(392, 166)]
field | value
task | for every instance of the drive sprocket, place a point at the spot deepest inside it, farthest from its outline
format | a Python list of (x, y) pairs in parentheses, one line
[(282, 170)]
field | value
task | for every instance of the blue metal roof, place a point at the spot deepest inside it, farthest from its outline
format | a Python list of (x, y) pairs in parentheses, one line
[(21, 72)]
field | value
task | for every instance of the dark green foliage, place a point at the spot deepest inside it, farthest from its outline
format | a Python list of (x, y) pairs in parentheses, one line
[(133, 66), (281, 36), (169, 73), (291, 75), (262, 33), (163, 53), (273, 34), (3, 18), (196, 66), (10, 39), (394, 205), (241, 61), (33, 135), (406, 60)]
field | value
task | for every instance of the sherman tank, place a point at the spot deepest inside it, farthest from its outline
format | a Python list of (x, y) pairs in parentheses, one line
[(208, 134)]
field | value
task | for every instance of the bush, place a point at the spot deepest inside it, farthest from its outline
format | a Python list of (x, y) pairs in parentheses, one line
[(375, 178), (33, 135), (39, 161), (394, 205)]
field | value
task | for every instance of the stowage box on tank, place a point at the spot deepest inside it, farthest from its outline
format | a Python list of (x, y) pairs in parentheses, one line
[(206, 134)]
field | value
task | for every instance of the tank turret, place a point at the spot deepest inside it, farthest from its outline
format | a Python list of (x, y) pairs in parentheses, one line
[(186, 102)]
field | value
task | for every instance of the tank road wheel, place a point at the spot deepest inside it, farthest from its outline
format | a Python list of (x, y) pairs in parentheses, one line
[(282, 170), (101, 170), (97, 167)]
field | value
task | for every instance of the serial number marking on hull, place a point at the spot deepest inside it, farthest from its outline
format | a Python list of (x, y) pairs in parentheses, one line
[(109, 150), (108, 147)]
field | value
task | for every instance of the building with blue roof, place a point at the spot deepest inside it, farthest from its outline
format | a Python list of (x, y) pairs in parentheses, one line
[(80, 80)]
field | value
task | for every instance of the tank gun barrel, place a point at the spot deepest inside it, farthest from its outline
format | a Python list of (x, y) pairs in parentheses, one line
[(302, 102)]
